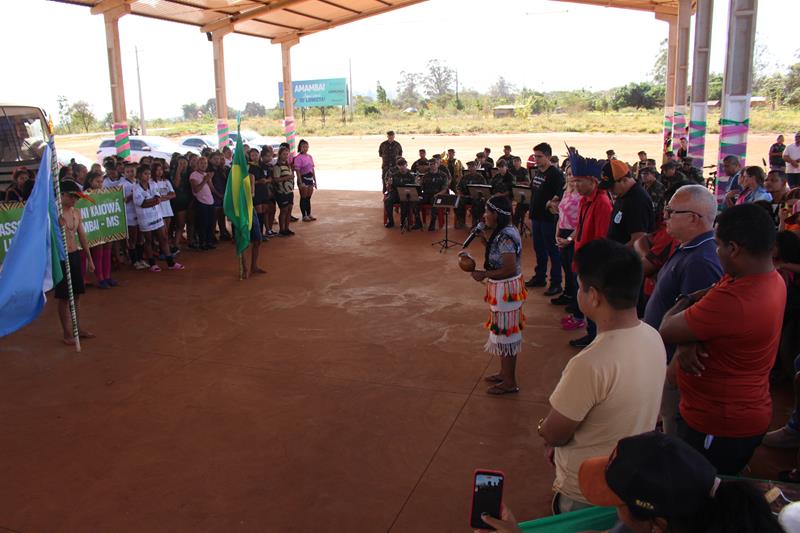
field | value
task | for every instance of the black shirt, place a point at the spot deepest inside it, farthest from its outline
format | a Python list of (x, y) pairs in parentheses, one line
[(389, 152), (433, 183), (417, 163), (402, 179), (545, 185), (520, 175), (632, 213), (501, 183), (777, 161)]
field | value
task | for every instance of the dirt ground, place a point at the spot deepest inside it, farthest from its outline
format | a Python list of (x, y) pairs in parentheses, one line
[(361, 153), (342, 391)]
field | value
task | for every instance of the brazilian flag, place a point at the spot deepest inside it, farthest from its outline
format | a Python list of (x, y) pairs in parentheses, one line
[(238, 201)]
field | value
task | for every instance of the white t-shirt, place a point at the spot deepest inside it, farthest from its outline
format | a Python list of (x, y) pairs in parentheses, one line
[(164, 187), (613, 388), (108, 182), (149, 217), (793, 151), (130, 208)]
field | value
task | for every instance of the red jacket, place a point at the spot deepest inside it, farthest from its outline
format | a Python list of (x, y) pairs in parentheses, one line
[(594, 218)]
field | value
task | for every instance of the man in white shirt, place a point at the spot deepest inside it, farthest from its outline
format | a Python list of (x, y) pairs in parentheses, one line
[(792, 157), (612, 389)]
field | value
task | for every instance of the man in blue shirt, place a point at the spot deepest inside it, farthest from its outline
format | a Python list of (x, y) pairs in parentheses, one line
[(694, 266)]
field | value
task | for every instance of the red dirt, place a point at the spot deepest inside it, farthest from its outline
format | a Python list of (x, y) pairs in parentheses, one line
[(342, 391)]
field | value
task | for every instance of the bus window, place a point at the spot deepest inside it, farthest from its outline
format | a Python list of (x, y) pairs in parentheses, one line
[(22, 134)]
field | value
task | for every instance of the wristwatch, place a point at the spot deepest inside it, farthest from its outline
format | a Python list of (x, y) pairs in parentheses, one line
[(539, 426), (569, 238)]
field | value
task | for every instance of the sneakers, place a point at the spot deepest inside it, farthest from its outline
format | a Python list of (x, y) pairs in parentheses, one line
[(155, 268), (533, 282), (176, 266), (306, 219), (141, 265), (103, 284), (782, 438), (271, 233), (571, 323), (293, 218), (561, 300), (311, 219), (553, 290), (582, 342), (112, 282)]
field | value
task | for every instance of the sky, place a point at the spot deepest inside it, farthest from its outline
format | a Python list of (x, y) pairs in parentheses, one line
[(53, 49)]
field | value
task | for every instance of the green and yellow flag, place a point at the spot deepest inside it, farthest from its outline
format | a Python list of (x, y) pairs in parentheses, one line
[(238, 201)]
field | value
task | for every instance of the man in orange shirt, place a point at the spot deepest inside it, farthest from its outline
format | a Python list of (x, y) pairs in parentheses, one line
[(727, 337)]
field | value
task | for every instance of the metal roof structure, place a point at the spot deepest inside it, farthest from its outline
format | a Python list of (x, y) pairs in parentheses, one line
[(286, 20)]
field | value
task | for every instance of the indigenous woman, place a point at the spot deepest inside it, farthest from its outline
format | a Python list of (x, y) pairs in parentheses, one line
[(306, 179), (505, 292)]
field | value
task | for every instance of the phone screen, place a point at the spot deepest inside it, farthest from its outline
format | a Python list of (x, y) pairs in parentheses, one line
[(487, 495)]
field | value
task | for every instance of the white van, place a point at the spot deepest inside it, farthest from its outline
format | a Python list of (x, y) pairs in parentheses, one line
[(24, 131)]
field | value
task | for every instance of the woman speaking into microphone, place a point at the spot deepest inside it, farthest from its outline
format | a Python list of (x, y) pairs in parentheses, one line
[(505, 291)]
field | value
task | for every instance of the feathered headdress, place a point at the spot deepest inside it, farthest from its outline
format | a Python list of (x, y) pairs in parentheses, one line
[(584, 166)]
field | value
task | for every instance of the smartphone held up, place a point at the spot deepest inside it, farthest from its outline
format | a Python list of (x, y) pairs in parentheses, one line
[(487, 496)]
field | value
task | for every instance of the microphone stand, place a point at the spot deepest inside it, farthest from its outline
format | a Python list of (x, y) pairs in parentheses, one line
[(445, 243)]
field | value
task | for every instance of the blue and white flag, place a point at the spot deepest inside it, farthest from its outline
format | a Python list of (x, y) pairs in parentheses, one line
[(32, 265)]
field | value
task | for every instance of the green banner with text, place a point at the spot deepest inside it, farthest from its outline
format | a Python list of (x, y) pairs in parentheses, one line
[(104, 221)]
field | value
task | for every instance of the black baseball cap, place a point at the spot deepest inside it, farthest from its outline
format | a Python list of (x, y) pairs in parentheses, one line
[(655, 473)]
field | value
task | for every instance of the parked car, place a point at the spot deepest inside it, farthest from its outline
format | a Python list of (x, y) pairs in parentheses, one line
[(256, 140), (143, 146), (200, 142), (65, 157)]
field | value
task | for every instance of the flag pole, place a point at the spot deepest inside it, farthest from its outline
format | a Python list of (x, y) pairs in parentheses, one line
[(73, 311)]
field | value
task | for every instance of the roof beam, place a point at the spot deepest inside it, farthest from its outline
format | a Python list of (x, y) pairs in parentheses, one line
[(345, 20), (248, 15), (109, 5)]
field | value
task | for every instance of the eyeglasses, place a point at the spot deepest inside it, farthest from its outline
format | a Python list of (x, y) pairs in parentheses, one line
[(668, 211)]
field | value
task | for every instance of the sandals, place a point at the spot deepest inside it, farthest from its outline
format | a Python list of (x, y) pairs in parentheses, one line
[(496, 378), (155, 268), (497, 390)]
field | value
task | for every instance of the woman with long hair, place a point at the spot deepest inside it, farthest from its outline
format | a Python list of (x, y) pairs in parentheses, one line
[(505, 292), (182, 201), (306, 179)]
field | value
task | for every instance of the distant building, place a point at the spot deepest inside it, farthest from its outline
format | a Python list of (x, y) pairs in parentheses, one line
[(755, 101), (508, 110)]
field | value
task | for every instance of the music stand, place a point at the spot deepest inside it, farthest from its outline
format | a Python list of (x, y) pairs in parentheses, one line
[(446, 202), (407, 194), (522, 194), (479, 191)]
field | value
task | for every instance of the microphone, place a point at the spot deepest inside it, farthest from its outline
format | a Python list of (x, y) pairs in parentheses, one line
[(474, 233)]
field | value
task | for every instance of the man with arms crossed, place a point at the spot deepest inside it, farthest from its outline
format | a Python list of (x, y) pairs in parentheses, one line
[(612, 389)]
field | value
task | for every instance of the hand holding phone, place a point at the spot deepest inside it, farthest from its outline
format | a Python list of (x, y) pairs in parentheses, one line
[(487, 497)]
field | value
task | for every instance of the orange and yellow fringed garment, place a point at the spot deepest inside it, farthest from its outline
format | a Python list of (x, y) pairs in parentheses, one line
[(506, 319)]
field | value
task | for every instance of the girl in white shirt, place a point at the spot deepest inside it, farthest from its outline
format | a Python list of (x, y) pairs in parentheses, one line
[(166, 193), (151, 225)]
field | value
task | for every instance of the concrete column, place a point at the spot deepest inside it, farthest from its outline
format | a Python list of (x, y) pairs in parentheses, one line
[(700, 65), (737, 88), (682, 69), (219, 87), (288, 94), (669, 93), (121, 134)]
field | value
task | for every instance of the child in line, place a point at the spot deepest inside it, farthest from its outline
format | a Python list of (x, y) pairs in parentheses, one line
[(70, 220), (166, 193), (151, 225), (134, 248), (101, 253)]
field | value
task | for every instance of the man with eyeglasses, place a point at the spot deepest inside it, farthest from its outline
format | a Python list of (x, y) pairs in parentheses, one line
[(694, 266)]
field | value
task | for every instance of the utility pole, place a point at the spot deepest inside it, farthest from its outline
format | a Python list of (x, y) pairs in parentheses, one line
[(350, 87), (457, 103), (141, 100)]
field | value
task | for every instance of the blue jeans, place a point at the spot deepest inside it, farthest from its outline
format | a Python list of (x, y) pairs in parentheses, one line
[(544, 245)]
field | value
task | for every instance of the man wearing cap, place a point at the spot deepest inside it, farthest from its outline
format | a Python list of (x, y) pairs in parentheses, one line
[(471, 177), (389, 151), (728, 336), (611, 389), (633, 214), (647, 177), (689, 218), (547, 182), (487, 151), (692, 173), (670, 174), (399, 178), (792, 157), (433, 183)]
